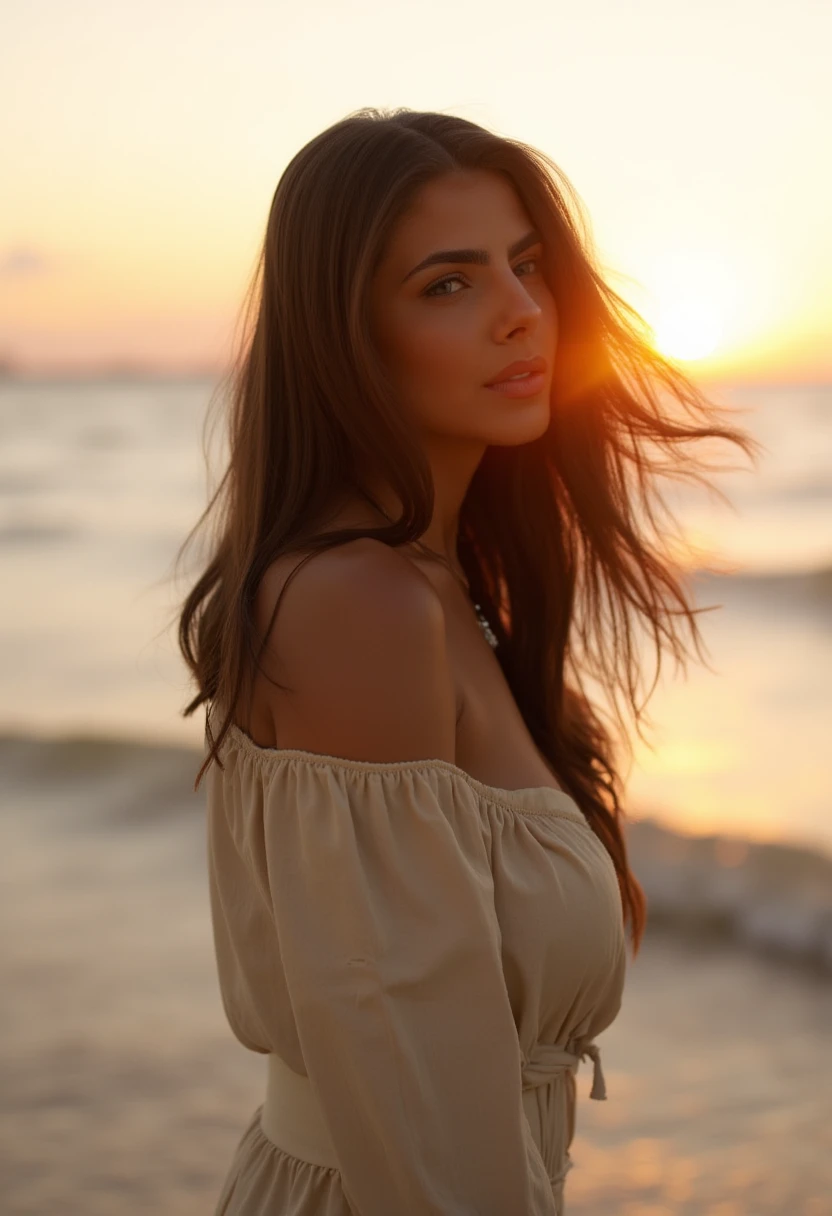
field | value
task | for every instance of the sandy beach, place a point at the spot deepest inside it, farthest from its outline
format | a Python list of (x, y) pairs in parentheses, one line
[(124, 1092)]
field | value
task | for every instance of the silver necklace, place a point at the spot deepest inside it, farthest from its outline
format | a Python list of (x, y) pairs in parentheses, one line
[(488, 633)]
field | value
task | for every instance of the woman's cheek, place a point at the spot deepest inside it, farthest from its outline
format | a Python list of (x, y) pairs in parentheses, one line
[(438, 355)]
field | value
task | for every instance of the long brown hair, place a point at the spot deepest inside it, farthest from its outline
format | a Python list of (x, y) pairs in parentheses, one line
[(561, 539)]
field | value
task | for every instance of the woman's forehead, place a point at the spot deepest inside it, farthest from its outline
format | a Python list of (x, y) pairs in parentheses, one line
[(464, 208)]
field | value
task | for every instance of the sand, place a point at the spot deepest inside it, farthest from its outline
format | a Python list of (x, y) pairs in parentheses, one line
[(123, 1091)]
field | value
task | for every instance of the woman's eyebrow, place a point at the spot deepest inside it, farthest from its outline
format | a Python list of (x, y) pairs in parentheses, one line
[(478, 257)]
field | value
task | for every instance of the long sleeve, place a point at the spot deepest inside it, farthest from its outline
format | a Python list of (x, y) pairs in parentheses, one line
[(384, 908)]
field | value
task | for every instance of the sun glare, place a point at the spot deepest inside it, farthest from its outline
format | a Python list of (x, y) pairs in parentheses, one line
[(686, 331), (693, 303)]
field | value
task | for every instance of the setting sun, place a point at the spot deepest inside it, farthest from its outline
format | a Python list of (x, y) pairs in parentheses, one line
[(686, 331), (693, 303)]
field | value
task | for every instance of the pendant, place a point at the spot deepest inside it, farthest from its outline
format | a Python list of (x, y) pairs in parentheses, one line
[(490, 635)]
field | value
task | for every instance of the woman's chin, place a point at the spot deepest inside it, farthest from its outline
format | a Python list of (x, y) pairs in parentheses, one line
[(521, 422)]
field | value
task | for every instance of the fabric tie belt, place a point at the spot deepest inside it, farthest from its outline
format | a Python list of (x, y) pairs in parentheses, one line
[(292, 1118), (547, 1060), (553, 1116)]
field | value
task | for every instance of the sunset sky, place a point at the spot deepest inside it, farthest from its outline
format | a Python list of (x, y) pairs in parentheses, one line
[(142, 143)]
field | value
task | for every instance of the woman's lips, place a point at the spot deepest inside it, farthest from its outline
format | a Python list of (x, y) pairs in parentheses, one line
[(525, 386), (523, 378)]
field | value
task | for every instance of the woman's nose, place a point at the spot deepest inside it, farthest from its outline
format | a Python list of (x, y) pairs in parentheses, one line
[(518, 309)]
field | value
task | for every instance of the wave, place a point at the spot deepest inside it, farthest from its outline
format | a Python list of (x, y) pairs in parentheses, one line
[(774, 897), (786, 588), (100, 781)]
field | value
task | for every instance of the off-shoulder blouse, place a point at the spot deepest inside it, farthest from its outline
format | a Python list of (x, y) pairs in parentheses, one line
[(435, 954)]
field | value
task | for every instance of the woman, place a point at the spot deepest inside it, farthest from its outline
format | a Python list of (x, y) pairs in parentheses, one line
[(444, 434)]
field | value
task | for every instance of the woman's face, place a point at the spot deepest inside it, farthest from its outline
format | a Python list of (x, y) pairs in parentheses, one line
[(447, 331)]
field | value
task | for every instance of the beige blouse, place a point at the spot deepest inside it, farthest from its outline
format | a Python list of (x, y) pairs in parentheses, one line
[(434, 954)]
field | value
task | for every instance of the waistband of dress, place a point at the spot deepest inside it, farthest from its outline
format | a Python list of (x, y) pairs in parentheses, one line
[(292, 1117)]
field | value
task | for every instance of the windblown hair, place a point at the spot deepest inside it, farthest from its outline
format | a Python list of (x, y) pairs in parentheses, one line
[(563, 539)]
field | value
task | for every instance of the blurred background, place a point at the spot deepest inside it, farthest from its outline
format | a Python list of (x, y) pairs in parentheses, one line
[(142, 147)]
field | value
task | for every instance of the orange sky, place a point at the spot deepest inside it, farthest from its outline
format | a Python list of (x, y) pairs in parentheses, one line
[(145, 143)]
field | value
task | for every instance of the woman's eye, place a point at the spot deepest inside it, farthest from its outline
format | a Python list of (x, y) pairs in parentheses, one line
[(436, 289), (529, 262), (443, 287)]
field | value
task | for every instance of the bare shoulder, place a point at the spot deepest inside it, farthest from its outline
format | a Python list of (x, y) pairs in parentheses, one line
[(359, 639)]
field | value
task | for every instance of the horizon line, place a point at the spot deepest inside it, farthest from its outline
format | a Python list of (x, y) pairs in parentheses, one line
[(12, 371)]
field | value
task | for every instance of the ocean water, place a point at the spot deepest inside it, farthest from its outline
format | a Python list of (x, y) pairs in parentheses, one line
[(101, 480), (133, 1095)]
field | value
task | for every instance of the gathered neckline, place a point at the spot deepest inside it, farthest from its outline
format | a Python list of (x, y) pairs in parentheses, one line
[(534, 799)]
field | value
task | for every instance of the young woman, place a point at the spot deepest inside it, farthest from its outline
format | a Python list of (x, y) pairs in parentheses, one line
[(437, 520)]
